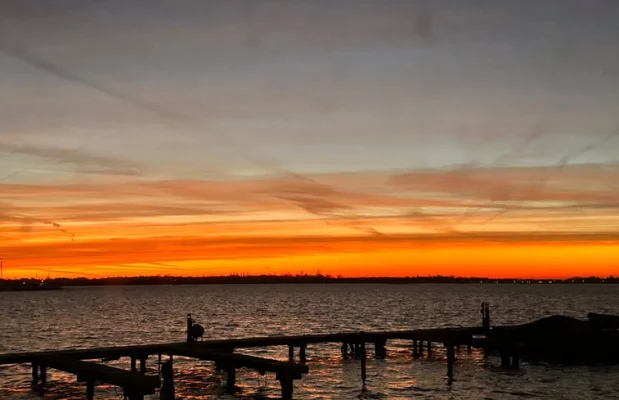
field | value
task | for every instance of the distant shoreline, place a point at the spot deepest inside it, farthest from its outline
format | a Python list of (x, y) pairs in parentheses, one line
[(301, 279)]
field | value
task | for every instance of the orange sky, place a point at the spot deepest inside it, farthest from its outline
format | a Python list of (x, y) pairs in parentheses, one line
[(380, 138), (292, 225)]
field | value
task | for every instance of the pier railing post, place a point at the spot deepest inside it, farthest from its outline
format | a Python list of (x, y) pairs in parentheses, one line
[(189, 325)]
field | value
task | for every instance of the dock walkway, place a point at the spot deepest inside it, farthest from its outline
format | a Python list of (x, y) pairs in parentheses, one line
[(137, 384)]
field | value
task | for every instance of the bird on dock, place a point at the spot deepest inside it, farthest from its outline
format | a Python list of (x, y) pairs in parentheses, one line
[(196, 331)]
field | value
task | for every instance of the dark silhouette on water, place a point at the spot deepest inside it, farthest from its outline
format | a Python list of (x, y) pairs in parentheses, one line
[(559, 339)]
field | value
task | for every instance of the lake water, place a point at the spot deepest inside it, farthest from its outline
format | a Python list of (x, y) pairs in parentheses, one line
[(102, 316)]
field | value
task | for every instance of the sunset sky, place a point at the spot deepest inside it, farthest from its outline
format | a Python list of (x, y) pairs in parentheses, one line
[(346, 137)]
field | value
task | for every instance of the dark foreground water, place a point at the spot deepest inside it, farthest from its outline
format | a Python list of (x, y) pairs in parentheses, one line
[(83, 317)]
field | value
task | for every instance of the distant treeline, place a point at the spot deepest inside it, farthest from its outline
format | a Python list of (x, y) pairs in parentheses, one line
[(264, 279)]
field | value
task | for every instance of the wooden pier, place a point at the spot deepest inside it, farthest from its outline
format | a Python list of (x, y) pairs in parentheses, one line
[(136, 384)]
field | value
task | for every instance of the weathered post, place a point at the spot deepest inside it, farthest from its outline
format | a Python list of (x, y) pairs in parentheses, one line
[(344, 350), (189, 325), (420, 348), (133, 367), (159, 363), (415, 350), (429, 348)]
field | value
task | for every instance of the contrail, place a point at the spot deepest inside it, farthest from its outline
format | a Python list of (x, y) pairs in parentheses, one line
[(153, 108), (563, 162)]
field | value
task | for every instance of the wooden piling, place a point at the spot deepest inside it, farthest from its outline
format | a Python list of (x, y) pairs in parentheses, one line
[(291, 353), (363, 363), (415, 350), (43, 374), (287, 388), (90, 389), (303, 353), (429, 348), (420, 348), (451, 358), (143, 365), (231, 380), (35, 373), (133, 367)]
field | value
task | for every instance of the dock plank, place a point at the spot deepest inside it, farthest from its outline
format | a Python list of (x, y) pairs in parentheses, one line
[(451, 335)]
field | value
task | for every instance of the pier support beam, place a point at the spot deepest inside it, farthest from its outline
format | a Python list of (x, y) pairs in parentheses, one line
[(90, 389), (429, 348), (43, 375), (303, 353), (415, 349), (143, 365), (291, 353), (231, 380), (35, 373), (363, 362), (380, 350), (420, 348), (167, 387), (133, 367), (287, 388), (451, 358)]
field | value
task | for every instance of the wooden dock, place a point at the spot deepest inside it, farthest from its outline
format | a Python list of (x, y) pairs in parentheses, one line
[(136, 384)]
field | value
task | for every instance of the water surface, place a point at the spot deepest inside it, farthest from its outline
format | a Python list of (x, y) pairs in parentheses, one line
[(102, 316)]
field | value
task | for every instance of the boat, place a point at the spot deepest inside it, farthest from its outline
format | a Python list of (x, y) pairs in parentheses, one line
[(562, 339)]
